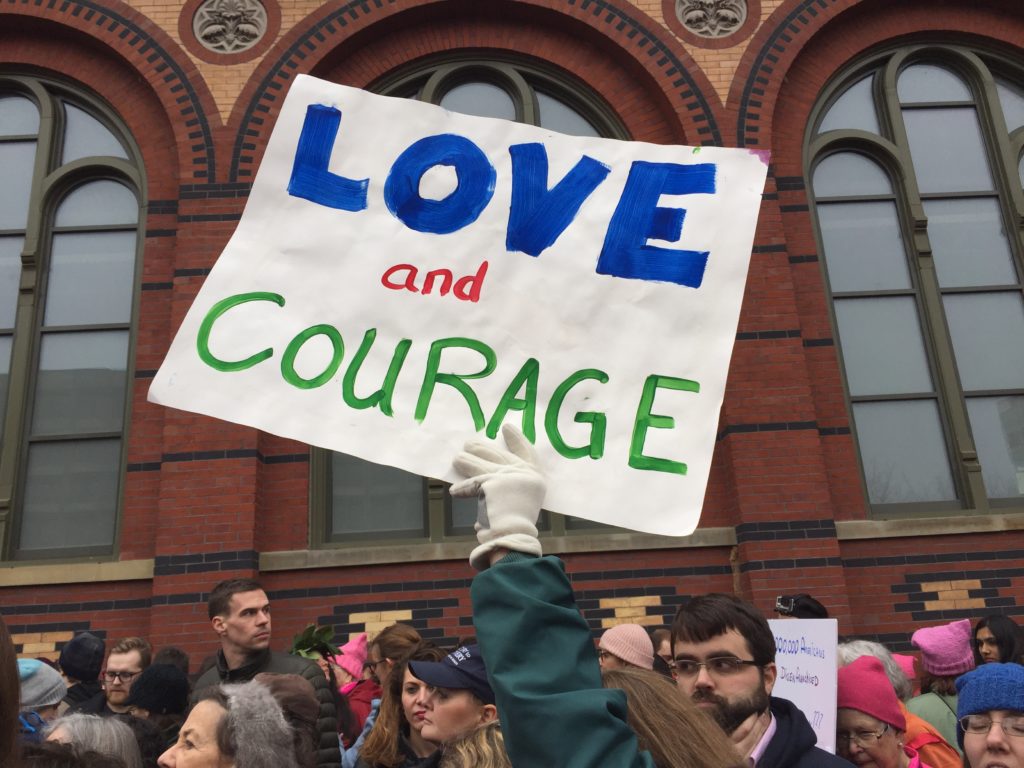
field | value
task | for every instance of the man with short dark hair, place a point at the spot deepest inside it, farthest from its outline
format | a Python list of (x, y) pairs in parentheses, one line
[(239, 611), (126, 661), (724, 659)]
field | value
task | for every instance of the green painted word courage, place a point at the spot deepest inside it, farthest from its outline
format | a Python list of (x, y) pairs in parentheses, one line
[(519, 395)]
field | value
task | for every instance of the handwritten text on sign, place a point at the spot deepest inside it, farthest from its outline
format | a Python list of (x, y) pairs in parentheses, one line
[(403, 276), (805, 661)]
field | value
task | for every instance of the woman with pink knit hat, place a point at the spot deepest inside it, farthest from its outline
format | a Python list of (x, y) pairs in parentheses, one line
[(348, 669), (869, 722), (946, 653), (626, 645)]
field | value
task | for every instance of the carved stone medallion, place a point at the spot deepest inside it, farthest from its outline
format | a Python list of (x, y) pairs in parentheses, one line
[(712, 18), (229, 26)]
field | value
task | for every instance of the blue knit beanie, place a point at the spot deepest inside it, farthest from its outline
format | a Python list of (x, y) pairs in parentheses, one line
[(990, 686)]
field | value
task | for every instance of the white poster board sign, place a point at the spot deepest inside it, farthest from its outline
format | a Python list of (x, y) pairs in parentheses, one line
[(805, 657), (404, 277)]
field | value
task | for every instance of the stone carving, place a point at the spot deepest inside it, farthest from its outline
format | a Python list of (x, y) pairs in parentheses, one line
[(229, 26), (712, 18)]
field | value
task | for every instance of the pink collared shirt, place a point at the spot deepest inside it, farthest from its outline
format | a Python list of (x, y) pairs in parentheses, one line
[(762, 745)]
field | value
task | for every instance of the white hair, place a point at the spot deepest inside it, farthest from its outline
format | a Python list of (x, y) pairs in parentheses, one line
[(106, 735), (854, 649)]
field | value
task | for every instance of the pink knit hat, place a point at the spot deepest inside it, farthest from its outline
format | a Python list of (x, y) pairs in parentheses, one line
[(864, 686), (906, 663), (631, 643), (353, 656), (946, 649)]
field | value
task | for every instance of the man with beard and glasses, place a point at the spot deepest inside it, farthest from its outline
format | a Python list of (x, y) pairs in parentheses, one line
[(724, 660)]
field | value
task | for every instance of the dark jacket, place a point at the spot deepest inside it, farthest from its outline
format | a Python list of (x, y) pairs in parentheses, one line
[(82, 692), (276, 663), (543, 668), (411, 758), (792, 746), (95, 705)]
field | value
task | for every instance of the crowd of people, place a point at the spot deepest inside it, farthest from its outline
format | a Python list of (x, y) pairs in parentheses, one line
[(531, 690)]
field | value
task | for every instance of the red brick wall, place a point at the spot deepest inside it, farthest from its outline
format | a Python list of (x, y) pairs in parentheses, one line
[(203, 497)]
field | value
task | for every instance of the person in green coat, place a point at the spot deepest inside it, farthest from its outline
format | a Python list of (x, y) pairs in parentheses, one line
[(946, 653), (539, 652)]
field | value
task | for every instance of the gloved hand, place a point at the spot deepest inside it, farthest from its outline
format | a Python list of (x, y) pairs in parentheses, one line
[(511, 490)]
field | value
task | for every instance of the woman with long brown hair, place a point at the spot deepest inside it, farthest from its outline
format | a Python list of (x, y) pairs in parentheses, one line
[(670, 726), (395, 740), (387, 648)]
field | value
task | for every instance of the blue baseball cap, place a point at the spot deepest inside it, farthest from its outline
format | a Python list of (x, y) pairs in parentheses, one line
[(461, 670)]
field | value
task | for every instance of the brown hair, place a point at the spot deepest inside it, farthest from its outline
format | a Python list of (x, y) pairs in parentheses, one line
[(941, 684), (10, 695), (297, 699), (382, 748), (483, 747), (714, 614), (129, 644), (396, 641), (660, 635), (668, 725)]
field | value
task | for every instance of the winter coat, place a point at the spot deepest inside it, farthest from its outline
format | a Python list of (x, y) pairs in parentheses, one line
[(360, 701), (915, 759), (95, 705), (940, 711), (922, 737), (793, 745), (544, 671), (412, 760), (276, 663), (82, 692)]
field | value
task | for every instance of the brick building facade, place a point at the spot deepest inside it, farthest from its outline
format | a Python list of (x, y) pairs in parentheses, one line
[(792, 504)]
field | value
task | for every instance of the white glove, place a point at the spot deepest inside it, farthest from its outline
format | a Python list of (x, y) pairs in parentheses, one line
[(510, 488)]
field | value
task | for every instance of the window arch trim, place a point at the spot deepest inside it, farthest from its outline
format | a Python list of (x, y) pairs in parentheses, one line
[(49, 189), (978, 71)]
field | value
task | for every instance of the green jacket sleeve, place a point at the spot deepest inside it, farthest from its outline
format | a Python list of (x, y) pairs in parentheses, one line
[(543, 668)]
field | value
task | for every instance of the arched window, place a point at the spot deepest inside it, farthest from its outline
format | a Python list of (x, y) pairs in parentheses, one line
[(355, 500), (916, 172), (69, 245)]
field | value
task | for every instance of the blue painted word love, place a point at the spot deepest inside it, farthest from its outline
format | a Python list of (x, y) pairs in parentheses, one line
[(537, 215)]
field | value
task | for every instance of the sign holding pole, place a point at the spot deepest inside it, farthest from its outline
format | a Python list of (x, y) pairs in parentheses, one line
[(403, 276)]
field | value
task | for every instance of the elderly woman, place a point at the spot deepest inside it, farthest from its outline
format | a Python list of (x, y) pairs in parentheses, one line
[(991, 710), (106, 735), (869, 722), (234, 726)]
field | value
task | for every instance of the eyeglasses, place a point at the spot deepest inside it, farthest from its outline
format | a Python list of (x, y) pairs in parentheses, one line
[(863, 739), (603, 654), (372, 665), (720, 666), (1012, 726), (124, 677)]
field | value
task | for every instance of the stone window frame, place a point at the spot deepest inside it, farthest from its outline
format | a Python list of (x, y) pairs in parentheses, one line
[(978, 69), (52, 182)]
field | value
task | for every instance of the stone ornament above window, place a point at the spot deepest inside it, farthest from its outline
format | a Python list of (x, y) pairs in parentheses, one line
[(712, 18), (229, 26)]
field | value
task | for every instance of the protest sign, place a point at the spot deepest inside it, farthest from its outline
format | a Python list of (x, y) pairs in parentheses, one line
[(805, 659), (404, 277)]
